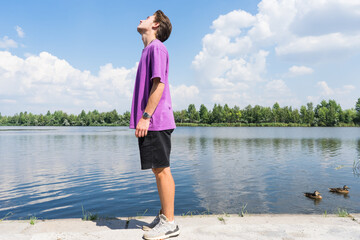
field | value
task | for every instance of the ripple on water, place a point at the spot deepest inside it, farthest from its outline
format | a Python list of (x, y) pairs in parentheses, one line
[(54, 173)]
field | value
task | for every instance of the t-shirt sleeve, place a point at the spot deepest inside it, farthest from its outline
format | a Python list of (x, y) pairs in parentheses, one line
[(158, 64)]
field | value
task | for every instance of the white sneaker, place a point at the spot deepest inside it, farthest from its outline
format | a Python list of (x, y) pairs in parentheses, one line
[(151, 225), (164, 229)]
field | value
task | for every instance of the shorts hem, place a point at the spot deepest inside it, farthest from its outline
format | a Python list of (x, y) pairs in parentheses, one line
[(147, 168)]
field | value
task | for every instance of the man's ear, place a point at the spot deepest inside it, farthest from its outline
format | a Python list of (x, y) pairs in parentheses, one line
[(156, 25)]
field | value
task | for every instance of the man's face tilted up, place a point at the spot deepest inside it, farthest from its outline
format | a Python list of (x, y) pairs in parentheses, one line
[(147, 24)]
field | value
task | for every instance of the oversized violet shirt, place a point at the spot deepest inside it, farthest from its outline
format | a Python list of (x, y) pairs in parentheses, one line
[(154, 63)]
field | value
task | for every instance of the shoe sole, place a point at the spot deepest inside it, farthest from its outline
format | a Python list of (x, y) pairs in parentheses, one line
[(174, 234)]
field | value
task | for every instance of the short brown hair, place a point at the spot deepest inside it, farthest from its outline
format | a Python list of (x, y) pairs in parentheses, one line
[(164, 30)]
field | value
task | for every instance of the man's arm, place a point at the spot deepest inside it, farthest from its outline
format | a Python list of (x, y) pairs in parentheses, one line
[(154, 99)]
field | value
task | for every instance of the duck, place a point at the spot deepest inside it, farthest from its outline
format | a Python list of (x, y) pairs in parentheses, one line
[(344, 189), (314, 195)]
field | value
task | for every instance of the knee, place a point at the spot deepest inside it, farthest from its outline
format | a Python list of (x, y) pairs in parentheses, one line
[(159, 172), (155, 171)]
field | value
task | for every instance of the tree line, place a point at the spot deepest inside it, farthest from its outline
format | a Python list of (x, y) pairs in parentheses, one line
[(60, 118), (326, 113)]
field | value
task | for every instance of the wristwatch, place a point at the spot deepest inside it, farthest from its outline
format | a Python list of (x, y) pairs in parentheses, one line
[(146, 115)]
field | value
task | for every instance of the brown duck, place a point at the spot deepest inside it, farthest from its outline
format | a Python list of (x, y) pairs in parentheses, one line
[(344, 189), (314, 195)]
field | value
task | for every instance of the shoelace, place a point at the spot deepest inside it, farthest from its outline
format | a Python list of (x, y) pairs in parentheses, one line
[(159, 225)]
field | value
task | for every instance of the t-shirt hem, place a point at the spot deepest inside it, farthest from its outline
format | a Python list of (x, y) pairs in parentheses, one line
[(161, 129), (157, 129)]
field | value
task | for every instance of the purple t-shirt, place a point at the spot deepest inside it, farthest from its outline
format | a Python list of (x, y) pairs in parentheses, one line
[(154, 63)]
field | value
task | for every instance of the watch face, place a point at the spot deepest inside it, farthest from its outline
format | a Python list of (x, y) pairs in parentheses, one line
[(146, 115)]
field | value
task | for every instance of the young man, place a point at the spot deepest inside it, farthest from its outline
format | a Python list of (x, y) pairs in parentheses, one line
[(152, 117)]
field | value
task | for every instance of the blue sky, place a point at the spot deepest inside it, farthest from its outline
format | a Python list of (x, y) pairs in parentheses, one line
[(74, 55)]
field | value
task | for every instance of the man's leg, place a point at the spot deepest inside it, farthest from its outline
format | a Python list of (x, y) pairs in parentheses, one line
[(166, 188)]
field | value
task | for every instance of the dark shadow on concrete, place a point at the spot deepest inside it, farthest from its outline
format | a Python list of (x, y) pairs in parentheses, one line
[(121, 223)]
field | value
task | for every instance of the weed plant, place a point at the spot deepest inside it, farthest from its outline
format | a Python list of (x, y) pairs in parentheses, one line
[(6, 216), (342, 212), (88, 216), (33, 219)]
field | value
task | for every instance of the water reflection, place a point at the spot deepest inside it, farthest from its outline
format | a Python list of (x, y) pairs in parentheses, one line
[(267, 174), (53, 173), (356, 164)]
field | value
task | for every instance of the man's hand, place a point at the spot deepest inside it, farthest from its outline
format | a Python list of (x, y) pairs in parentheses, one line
[(142, 127)]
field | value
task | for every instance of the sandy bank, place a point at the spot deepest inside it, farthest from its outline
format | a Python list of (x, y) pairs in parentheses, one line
[(192, 227)]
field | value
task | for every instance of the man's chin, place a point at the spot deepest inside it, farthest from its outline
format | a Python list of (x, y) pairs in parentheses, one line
[(140, 30)]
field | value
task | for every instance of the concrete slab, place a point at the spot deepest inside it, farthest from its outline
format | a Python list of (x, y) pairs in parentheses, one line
[(205, 227)]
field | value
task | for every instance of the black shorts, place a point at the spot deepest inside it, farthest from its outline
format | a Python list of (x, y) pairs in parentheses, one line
[(155, 149)]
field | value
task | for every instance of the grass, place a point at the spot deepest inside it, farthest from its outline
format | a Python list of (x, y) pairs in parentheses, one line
[(243, 211), (342, 212), (208, 212), (325, 213), (6, 216), (226, 214), (88, 216), (196, 213), (222, 219), (190, 213), (142, 214), (33, 220)]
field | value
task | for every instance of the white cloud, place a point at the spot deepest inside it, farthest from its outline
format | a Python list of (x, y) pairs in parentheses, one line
[(237, 50), (325, 89), (6, 42), (299, 70), (183, 95), (277, 87), (38, 83), (232, 23), (327, 92), (323, 46), (20, 31), (41, 82)]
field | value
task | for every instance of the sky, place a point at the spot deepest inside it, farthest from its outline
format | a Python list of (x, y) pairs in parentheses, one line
[(75, 55)]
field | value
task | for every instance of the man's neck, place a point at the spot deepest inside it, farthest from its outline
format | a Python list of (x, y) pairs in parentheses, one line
[(147, 39)]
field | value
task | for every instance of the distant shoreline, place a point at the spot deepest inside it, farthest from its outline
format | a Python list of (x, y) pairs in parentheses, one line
[(256, 125), (200, 125)]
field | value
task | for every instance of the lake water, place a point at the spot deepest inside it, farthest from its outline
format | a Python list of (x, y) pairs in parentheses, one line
[(52, 172)]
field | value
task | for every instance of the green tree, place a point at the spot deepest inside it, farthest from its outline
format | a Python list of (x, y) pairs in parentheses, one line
[(236, 114), (125, 120), (303, 115), (310, 114), (217, 114), (349, 116), (181, 116), (322, 113), (296, 116), (276, 112), (247, 114), (193, 114), (333, 113), (256, 114), (203, 114), (286, 114), (357, 108), (81, 120), (266, 114), (227, 114)]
